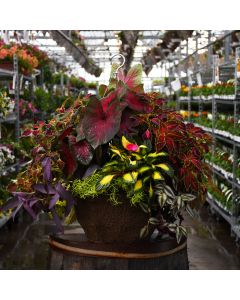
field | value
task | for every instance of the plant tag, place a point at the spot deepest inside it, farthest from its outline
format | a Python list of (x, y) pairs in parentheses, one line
[(21, 82), (176, 85), (14, 82), (167, 92), (199, 79), (215, 68), (237, 73)]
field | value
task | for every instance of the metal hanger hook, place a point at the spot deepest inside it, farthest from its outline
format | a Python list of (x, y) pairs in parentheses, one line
[(123, 62)]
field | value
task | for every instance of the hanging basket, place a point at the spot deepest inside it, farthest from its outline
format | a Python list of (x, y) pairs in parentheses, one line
[(6, 65)]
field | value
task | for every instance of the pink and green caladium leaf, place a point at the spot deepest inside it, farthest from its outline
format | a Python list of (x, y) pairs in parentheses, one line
[(68, 158), (133, 77), (137, 102), (83, 152), (80, 132), (101, 122), (106, 101)]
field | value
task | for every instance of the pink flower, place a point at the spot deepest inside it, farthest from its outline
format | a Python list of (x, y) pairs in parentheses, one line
[(132, 147)]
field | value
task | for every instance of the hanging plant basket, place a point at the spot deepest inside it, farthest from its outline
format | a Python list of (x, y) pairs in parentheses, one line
[(6, 65)]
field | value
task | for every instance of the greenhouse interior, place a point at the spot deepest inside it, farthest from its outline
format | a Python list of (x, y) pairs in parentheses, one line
[(100, 128)]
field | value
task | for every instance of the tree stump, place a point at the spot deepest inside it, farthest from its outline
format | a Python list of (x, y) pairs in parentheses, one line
[(74, 252)]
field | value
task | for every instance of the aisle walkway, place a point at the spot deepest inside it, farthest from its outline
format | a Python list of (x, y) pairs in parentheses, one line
[(25, 246)]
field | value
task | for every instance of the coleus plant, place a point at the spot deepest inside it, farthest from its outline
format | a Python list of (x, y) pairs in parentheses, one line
[(134, 126)]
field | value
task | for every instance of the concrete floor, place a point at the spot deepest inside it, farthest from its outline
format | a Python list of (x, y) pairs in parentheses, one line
[(24, 245)]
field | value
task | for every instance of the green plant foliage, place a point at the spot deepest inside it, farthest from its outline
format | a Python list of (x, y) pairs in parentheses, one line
[(136, 166), (86, 189)]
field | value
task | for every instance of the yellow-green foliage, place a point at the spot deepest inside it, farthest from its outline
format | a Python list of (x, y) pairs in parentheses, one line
[(87, 189)]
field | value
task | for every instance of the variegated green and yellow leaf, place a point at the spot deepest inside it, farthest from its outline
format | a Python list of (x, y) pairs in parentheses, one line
[(138, 157), (138, 185), (157, 176), (144, 169), (130, 177), (150, 190), (104, 182), (157, 154), (166, 168), (133, 162)]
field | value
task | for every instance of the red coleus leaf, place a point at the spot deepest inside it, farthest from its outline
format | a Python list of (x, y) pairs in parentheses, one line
[(27, 132), (170, 144), (99, 125), (194, 184), (83, 152), (196, 163), (65, 133), (187, 181), (68, 158), (128, 123)]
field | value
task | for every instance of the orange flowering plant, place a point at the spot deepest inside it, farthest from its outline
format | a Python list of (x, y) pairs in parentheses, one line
[(26, 56)]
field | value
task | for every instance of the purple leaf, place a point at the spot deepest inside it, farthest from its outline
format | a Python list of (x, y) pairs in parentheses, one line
[(33, 201), (29, 210), (65, 195), (50, 189), (57, 220), (16, 210), (53, 201), (90, 170), (12, 203), (46, 164), (40, 188)]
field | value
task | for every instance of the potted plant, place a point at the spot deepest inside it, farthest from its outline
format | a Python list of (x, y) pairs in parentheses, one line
[(121, 163), (27, 61)]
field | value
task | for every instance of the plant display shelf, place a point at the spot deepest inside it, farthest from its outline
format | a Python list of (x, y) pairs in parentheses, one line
[(209, 101), (212, 71), (9, 119), (14, 168), (218, 208), (225, 136), (224, 174)]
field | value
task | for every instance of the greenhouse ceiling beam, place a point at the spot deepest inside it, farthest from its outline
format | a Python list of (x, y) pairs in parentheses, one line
[(221, 37), (78, 54), (145, 37), (170, 41)]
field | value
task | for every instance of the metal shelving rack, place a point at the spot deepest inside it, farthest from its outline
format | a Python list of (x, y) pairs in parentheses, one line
[(211, 72), (16, 77)]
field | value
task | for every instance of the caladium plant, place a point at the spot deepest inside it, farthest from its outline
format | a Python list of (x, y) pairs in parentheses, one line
[(123, 135)]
